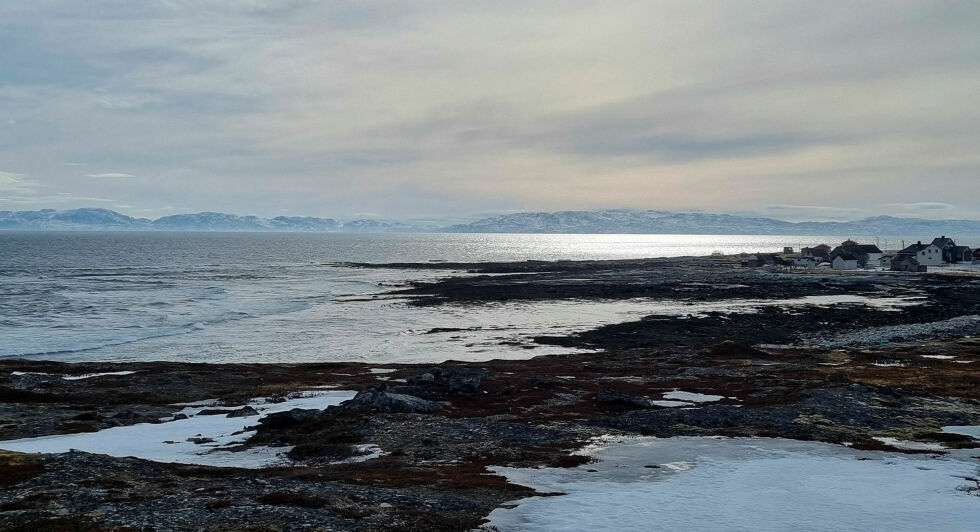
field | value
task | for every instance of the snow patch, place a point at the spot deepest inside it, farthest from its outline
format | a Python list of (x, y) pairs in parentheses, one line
[(746, 484), (93, 375), (906, 445), (174, 441), (692, 397)]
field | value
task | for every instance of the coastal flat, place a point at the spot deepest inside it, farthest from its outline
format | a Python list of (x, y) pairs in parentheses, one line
[(884, 369)]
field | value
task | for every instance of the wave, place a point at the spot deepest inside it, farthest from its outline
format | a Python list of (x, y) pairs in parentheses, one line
[(159, 333), (99, 344)]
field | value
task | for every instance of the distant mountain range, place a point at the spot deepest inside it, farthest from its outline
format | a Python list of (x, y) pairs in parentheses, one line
[(668, 222), (604, 221), (106, 220)]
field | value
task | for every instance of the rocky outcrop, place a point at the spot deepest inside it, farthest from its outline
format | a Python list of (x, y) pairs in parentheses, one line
[(383, 401), (289, 418)]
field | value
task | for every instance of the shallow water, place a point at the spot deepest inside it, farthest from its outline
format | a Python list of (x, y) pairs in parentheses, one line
[(231, 297)]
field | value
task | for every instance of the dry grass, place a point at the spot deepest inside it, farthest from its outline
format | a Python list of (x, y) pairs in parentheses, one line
[(16, 468)]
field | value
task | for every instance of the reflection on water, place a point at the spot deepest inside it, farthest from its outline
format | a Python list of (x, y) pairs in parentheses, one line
[(276, 297)]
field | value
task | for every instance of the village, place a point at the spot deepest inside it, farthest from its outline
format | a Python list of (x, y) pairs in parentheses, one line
[(850, 255)]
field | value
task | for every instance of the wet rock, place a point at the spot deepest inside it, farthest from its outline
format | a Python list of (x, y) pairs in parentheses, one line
[(244, 411), (289, 418), (388, 402), (607, 395)]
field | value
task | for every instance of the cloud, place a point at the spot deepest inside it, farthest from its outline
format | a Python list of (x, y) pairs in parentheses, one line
[(437, 106), (111, 175)]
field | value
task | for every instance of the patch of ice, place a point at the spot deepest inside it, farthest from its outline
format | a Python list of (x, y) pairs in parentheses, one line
[(907, 445), (939, 357), (692, 397), (22, 373), (382, 370), (169, 442), (746, 484), (671, 404), (93, 375)]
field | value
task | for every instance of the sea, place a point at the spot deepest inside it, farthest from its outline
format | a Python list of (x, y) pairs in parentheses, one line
[(289, 298)]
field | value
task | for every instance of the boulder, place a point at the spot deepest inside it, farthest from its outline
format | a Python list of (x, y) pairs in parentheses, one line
[(383, 401), (244, 411), (612, 396), (465, 382), (215, 412), (288, 418)]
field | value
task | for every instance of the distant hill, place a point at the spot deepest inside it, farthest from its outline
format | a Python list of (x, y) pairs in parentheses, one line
[(668, 222), (603, 221), (107, 220)]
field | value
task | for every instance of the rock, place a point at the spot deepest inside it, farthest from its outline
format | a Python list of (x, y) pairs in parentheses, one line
[(215, 412), (424, 378), (178, 417), (200, 440), (612, 396), (288, 418), (244, 411), (383, 401), (465, 382)]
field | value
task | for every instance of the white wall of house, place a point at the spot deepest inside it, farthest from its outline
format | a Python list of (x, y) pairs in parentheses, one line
[(841, 264), (930, 256), (875, 258)]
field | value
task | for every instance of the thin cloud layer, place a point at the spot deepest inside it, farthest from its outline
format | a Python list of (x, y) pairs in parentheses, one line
[(446, 108)]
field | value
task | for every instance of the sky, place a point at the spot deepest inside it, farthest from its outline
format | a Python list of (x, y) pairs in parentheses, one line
[(829, 110)]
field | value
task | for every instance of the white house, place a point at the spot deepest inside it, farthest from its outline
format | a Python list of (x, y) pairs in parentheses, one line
[(925, 254), (845, 261)]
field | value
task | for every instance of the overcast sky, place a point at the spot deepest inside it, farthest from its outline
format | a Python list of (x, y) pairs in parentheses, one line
[(796, 110)]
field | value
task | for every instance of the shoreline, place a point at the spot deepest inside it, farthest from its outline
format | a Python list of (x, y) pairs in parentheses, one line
[(443, 428)]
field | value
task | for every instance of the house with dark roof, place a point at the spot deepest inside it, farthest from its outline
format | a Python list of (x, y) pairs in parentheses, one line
[(810, 257), (854, 255), (906, 263), (939, 252)]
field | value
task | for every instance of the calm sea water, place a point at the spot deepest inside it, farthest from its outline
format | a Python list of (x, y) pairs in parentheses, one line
[(229, 297)]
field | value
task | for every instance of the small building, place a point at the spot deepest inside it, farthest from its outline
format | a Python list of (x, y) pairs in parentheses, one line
[(846, 261), (904, 262), (924, 254), (757, 260), (976, 255), (864, 254), (813, 256)]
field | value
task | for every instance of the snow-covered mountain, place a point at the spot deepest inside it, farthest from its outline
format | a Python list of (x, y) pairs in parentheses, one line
[(668, 222), (74, 219), (104, 219), (605, 221)]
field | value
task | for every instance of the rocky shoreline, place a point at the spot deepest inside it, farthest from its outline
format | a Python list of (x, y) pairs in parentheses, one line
[(756, 372)]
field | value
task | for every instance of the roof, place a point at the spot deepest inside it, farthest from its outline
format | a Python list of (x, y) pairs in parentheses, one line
[(913, 249), (943, 242), (847, 256), (868, 248)]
